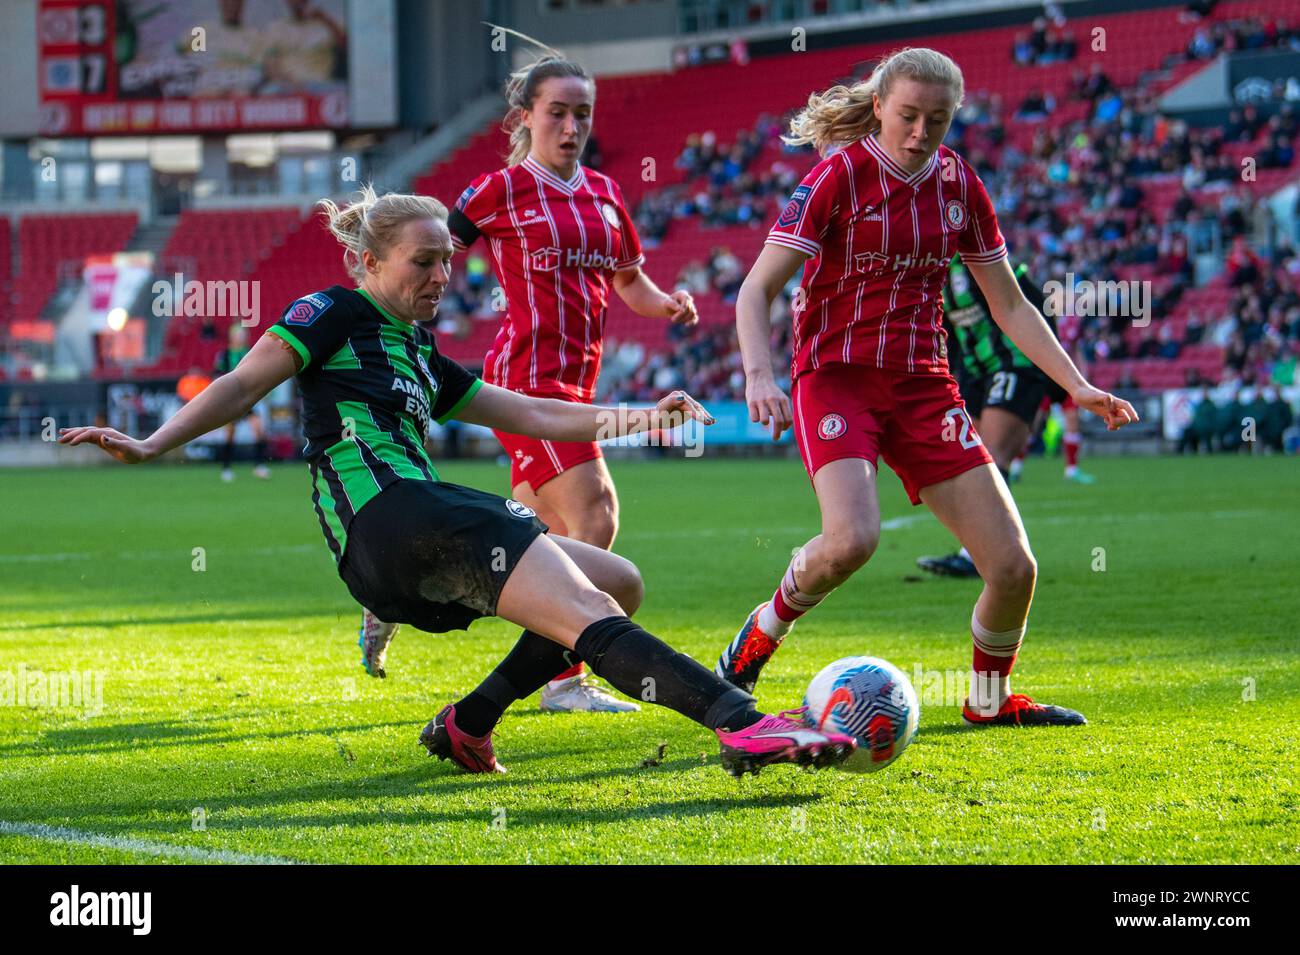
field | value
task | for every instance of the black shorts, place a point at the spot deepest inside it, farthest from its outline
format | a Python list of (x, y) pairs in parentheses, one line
[(1017, 390), (435, 555)]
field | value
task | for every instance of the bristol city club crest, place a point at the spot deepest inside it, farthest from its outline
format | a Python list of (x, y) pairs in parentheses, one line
[(831, 427), (610, 214), (954, 213)]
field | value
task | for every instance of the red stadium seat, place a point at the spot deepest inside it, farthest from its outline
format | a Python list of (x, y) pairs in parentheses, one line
[(51, 248)]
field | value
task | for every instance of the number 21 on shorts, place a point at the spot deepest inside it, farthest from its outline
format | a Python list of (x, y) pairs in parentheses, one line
[(1004, 386)]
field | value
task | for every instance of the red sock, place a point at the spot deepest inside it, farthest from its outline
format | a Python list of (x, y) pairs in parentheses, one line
[(575, 670), (1071, 442), (789, 603), (991, 663)]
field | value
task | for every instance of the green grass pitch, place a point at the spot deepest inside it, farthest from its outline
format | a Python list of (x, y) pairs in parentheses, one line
[(236, 689)]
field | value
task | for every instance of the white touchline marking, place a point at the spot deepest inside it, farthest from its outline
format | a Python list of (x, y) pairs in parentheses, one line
[(144, 846), (151, 554)]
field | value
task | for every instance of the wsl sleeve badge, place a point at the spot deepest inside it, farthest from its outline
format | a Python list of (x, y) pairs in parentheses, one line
[(307, 309), (794, 208)]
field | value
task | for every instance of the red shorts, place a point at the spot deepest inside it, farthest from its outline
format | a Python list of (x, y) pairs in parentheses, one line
[(535, 461), (918, 423)]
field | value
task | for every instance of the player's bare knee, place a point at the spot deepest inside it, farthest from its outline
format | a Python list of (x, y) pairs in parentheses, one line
[(1016, 572), (630, 590), (621, 579), (849, 548), (597, 605)]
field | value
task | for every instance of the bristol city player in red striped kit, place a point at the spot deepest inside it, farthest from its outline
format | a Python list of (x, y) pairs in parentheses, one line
[(560, 239), (875, 225)]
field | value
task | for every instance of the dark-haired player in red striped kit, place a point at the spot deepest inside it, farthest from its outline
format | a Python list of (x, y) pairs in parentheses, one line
[(560, 239), (875, 226)]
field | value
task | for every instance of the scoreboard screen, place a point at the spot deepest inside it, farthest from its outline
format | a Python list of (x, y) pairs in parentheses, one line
[(138, 67)]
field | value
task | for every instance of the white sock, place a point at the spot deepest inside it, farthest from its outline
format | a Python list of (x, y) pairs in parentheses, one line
[(965, 553), (771, 624)]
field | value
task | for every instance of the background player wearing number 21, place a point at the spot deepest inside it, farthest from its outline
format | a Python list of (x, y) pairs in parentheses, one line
[(874, 226)]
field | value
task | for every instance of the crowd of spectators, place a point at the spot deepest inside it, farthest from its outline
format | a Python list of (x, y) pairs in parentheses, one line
[(723, 184), (1075, 199), (1252, 419), (1045, 42), (705, 360), (1241, 33)]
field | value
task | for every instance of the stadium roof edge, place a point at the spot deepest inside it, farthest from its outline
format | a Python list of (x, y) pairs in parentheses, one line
[(947, 16), (884, 17), (654, 54)]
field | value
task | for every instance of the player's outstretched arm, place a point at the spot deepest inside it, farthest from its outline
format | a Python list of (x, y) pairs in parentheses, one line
[(641, 295), (555, 420), (773, 268), (227, 399), (1025, 326)]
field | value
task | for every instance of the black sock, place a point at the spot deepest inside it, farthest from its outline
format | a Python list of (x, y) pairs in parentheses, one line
[(227, 455), (644, 667), (1006, 474), (259, 452), (531, 664)]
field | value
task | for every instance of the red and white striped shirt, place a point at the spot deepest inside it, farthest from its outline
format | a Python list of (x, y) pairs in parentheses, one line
[(881, 239), (555, 247)]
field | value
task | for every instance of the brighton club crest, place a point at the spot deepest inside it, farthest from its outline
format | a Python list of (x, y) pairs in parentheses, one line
[(831, 427), (519, 510)]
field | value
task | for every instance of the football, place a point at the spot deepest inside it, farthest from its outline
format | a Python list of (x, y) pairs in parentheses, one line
[(869, 699)]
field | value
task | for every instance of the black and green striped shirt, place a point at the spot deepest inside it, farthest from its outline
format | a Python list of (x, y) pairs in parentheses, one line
[(981, 345), (370, 385)]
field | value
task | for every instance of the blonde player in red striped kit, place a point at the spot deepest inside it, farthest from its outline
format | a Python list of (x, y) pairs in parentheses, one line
[(874, 226)]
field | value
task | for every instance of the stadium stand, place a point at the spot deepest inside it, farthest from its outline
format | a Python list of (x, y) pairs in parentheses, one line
[(287, 251), (223, 245), (50, 245)]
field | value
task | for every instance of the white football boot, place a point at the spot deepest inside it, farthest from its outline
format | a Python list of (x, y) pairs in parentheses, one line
[(579, 694), (373, 639)]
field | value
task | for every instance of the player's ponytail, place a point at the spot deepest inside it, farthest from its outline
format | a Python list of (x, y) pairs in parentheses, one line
[(374, 223), (845, 114), (521, 90)]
